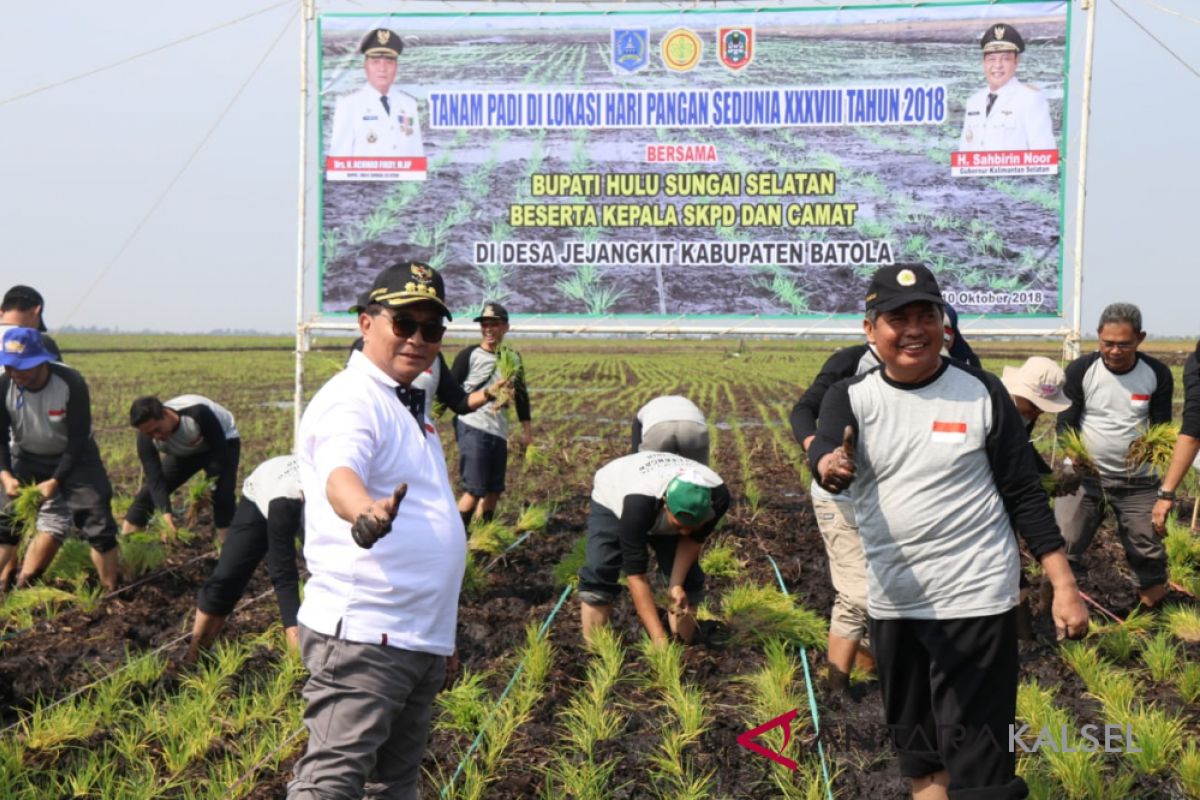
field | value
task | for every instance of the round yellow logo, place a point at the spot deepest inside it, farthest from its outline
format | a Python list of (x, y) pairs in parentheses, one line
[(681, 50), (906, 277)]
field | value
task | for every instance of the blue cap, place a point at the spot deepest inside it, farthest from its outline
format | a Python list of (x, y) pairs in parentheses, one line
[(22, 348)]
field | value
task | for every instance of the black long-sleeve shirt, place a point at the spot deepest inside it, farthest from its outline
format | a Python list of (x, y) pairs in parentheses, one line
[(1190, 424)]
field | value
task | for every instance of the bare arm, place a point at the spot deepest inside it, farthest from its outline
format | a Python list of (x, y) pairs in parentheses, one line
[(643, 603)]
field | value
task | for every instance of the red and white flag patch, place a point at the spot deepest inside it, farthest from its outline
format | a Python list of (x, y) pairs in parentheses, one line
[(56, 413), (1139, 400), (949, 432)]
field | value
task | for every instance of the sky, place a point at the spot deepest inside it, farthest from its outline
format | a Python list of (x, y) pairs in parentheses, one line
[(161, 193)]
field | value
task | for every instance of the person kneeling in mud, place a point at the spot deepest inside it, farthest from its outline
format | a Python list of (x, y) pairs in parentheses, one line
[(658, 500), (266, 523)]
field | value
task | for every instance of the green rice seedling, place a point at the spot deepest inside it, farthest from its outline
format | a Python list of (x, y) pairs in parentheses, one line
[(1188, 682), (585, 780), (1161, 657), (463, 706), (508, 365), (1118, 641), (1158, 738), (534, 518), (492, 537), (1073, 447), (1035, 705), (755, 614), (720, 561), (141, 553), (1085, 661), (1183, 622), (474, 576), (22, 607), (199, 498), (1187, 771), (1082, 777), (74, 559), (24, 508), (535, 457), (1153, 448), (50, 727), (566, 572)]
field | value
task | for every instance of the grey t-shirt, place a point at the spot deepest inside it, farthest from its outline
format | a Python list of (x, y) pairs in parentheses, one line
[(944, 472)]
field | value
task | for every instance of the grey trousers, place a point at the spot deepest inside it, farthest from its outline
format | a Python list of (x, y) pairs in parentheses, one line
[(368, 714), (1079, 516)]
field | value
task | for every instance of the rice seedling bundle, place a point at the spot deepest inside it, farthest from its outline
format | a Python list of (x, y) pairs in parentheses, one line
[(492, 537), (25, 508), (755, 614), (1153, 448), (1073, 447), (508, 364)]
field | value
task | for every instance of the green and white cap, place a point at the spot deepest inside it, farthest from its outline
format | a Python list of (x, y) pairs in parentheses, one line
[(689, 497)]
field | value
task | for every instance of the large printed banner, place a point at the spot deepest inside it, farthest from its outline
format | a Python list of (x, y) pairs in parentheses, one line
[(620, 161)]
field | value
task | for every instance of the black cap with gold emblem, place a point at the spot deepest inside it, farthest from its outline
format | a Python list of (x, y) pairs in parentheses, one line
[(493, 311), (1002, 38), (901, 284), (405, 283), (381, 42)]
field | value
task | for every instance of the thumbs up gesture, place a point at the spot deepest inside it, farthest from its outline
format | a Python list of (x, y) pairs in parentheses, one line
[(836, 469), (375, 523)]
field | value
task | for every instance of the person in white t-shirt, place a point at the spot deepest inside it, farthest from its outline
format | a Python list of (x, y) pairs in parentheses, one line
[(266, 523), (660, 501), (386, 550), (671, 424)]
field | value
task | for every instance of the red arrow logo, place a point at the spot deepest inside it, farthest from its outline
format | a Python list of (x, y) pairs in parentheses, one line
[(747, 739)]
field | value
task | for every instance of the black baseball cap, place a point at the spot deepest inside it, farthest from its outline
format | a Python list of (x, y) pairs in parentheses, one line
[(1001, 38), (900, 284), (405, 283), (381, 42), (24, 298), (493, 311)]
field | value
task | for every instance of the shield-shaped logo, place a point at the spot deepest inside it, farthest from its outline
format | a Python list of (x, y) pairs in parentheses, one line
[(681, 50), (735, 47), (630, 48)]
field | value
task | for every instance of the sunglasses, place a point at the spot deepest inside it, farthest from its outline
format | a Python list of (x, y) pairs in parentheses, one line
[(405, 327)]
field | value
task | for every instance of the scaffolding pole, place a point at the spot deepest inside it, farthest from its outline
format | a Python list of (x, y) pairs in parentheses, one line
[(1072, 349)]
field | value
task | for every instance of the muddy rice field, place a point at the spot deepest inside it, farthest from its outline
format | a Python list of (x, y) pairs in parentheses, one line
[(96, 701)]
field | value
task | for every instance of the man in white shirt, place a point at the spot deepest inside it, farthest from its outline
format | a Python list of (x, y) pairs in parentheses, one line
[(378, 119), (378, 619), (1008, 114)]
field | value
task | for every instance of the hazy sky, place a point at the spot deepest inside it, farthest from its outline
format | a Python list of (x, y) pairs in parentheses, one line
[(83, 165)]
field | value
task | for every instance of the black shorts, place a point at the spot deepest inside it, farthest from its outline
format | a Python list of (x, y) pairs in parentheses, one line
[(950, 695), (598, 577), (482, 460), (84, 501)]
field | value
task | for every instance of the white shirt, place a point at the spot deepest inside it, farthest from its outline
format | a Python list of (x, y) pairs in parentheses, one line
[(274, 478), (1020, 120), (646, 473), (361, 127), (403, 592), (668, 408)]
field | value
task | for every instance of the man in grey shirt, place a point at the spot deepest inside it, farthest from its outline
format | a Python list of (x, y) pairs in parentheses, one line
[(47, 409), (942, 474), (1116, 393)]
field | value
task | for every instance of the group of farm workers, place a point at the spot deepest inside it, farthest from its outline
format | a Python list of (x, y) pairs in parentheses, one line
[(926, 487)]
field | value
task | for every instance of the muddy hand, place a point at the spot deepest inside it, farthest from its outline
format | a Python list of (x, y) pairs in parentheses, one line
[(375, 523), (837, 468)]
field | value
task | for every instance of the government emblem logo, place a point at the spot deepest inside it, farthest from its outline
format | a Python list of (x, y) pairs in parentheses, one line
[(383, 35), (998, 33), (630, 48), (681, 50), (735, 47), (906, 277), (421, 272)]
